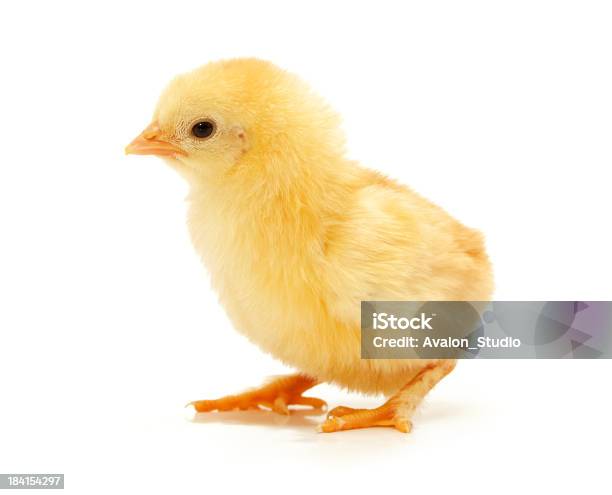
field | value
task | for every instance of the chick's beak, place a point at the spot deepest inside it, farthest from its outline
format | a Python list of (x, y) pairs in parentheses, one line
[(151, 142)]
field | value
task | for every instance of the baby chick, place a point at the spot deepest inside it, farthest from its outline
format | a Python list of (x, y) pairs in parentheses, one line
[(295, 236)]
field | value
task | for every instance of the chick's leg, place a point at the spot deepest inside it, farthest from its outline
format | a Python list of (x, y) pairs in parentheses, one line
[(277, 395), (397, 411)]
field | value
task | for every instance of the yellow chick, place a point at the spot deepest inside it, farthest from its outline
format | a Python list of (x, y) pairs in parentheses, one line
[(295, 236)]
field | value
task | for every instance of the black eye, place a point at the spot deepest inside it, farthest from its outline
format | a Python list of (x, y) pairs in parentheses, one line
[(203, 129)]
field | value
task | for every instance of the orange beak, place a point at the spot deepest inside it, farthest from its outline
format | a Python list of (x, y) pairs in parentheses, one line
[(150, 142)]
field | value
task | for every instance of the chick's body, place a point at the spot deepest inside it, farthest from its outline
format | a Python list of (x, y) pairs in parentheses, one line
[(291, 276), (295, 235)]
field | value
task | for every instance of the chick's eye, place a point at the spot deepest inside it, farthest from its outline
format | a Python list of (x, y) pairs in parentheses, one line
[(203, 129)]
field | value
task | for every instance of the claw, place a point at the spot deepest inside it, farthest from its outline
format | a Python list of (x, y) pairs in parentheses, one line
[(331, 425), (280, 406), (203, 405), (403, 425)]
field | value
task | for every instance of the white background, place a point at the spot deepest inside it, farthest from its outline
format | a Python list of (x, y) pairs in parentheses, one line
[(498, 111)]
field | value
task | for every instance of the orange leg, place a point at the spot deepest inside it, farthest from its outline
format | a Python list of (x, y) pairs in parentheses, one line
[(276, 395), (397, 411)]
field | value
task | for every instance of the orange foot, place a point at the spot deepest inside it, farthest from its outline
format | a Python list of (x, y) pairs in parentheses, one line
[(276, 395), (347, 418), (398, 409)]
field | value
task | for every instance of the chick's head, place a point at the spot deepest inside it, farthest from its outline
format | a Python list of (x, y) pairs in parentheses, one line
[(240, 116)]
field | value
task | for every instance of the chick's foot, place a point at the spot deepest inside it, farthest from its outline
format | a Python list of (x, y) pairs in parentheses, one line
[(398, 410), (347, 418), (277, 395)]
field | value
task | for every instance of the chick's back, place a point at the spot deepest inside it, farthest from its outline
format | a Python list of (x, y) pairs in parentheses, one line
[(389, 243)]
